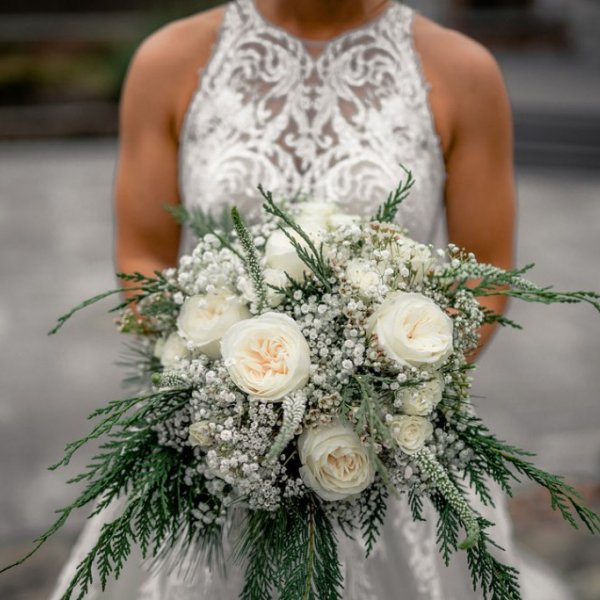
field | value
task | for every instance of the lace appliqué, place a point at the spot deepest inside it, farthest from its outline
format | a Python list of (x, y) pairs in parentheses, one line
[(337, 125)]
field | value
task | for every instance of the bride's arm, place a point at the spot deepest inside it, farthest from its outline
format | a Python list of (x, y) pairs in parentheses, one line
[(161, 79), (146, 238), (474, 119), (480, 190)]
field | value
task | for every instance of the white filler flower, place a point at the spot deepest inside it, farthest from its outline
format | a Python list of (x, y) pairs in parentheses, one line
[(267, 356), (170, 350), (412, 329), (423, 398), (362, 275), (204, 319), (414, 255), (335, 464), (410, 432)]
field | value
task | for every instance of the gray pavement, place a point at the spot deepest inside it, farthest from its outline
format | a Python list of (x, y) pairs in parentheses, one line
[(539, 388)]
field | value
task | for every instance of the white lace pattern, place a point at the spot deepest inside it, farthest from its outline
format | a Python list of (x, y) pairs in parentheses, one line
[(336, 120)]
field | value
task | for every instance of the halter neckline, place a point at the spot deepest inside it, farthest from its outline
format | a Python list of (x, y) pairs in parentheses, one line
[(366, 26)]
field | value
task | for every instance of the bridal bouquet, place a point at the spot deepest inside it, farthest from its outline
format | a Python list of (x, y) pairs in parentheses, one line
[(305, 370)]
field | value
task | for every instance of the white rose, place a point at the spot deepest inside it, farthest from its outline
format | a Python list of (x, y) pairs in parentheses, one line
[(335, 464), (324, 214), (278, 279), (315, 212), (204, 319), (267, 356), (281, 255), (170, 350), (361, 275), (412, 329), (342, 220), (200, 434), (421, 400), (410, 432)]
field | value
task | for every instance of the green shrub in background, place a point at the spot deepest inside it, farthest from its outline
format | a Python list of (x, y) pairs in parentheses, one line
[(62, 65)]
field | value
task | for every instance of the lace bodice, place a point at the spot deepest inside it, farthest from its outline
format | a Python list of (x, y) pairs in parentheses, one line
[(333, 119)]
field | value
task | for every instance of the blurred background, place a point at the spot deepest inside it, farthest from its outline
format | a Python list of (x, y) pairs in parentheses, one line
[(61, 69)]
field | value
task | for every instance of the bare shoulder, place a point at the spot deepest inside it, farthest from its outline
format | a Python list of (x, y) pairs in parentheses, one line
[(163, 71), (465, 78), (462, 60)]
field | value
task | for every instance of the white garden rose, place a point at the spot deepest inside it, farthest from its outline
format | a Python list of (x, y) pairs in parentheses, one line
[(267, 356), (171, 350), (204, 319), (410, 432), (200, 434), (412, 329), (361, 275), (281, 255), (422, 399), (335, 464)]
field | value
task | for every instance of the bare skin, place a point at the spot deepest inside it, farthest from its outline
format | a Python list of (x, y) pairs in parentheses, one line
[(468, 100)]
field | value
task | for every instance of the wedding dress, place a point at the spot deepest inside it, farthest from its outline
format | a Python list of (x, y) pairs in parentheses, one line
[(334, 119)]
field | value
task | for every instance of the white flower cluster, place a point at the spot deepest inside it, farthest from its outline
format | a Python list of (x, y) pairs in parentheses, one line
[(375, 353)]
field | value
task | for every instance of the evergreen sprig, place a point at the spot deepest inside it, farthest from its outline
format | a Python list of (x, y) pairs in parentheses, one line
[(144, 286), (494, 281), (121, 465), (155, 517), (202, 223), (387, 212), (199, 221), (504, 463), (291, 553), (140, 362), (495, 579), (373, 517), (368, 415), (448, 527), (258, 548), (308, 252)]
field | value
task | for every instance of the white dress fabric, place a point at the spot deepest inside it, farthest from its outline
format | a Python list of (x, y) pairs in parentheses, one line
[(335, 120)]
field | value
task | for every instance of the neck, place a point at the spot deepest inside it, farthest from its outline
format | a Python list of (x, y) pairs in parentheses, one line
[(320, 19)]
